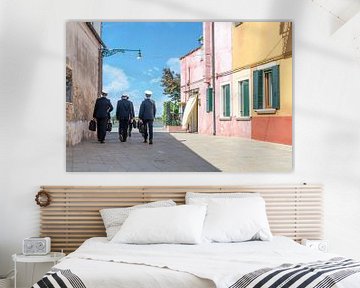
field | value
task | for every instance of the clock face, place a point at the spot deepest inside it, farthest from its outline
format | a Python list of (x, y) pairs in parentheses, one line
[(29, 245), (40, 245)]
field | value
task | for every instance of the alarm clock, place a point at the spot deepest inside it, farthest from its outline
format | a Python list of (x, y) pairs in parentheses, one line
[(36, 246)]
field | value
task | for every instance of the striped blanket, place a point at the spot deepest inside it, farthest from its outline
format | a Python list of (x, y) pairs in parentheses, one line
[(59, 278), (320, 274)]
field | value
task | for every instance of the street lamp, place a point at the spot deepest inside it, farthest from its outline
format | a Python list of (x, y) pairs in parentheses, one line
[(105, 52)]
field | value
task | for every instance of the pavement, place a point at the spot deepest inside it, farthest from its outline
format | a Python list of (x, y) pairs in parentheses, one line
[(166, 155), (236, 154), (178, 152)]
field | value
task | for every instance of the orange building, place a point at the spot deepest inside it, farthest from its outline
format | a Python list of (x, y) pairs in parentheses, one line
[(262, 57)]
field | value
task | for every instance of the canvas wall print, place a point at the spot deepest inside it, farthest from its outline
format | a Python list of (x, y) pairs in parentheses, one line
[(179, 96)]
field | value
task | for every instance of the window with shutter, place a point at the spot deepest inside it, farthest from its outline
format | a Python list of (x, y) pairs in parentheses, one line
[(266, 90), (227, 101), (69, 85), (275, 87), (244, 98), (225, 97), (258, 89), (209, 99)]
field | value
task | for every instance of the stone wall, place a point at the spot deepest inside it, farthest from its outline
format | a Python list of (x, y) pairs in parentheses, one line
[(82, 59)]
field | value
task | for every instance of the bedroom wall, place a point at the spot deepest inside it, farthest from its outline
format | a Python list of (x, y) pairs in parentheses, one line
[(326, 99)]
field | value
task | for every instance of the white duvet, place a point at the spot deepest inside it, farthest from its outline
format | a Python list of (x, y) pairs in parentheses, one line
[(100, 263)]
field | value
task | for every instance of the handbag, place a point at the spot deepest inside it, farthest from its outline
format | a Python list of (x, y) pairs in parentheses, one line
[(92, 125), (109, 126), (141, 127)]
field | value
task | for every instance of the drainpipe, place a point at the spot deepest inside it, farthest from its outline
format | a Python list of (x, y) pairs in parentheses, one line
[(213, 74)]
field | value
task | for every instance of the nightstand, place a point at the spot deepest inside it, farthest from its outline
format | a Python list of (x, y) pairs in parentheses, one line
[(320, 245), (53, 257)]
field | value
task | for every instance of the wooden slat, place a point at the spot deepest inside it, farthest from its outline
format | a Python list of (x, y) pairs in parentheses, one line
[(73, 216)]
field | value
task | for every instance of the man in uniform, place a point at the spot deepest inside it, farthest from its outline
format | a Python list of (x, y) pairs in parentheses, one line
[(147, 115), (101, 113), (132, 119), (124, 112)]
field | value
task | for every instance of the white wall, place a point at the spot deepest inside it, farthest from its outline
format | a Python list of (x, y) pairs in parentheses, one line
[(326, 106)]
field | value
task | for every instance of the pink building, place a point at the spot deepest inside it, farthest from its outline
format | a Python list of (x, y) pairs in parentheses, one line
[(197, 84), (193, 90)]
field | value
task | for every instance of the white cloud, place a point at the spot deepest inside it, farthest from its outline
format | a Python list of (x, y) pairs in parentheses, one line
[(115, 79), (173, 64), (156, 68), (148, 72), (155, 80)]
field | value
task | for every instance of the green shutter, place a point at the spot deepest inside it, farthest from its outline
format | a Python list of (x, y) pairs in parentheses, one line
[(227, 100), (245, 98), (209, 99), (275, 87), (258, 89)]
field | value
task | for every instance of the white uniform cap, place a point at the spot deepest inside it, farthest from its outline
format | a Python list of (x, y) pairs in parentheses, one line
[(148, 92)]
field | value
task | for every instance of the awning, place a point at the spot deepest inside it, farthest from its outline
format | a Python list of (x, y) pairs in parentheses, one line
[(189, 108)]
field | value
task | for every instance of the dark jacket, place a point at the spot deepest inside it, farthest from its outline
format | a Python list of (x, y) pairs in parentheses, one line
[(102, 108), (147, 110), (124, 110)]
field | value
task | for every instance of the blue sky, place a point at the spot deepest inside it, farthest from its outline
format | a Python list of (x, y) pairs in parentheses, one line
[(161, 44)]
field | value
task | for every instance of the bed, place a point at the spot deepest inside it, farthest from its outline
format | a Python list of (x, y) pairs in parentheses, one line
[(294, 211)]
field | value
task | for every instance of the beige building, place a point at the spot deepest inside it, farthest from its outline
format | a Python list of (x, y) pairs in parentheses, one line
[(83, 77)]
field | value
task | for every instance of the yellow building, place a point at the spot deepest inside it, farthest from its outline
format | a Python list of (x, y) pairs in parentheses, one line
[(262, 78)]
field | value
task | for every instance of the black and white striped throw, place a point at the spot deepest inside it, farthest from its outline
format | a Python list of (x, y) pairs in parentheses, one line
[(320, 274), (59, 278)]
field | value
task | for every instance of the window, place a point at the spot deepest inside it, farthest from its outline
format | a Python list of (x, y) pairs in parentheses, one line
[(225, 99), (244, 101), (69, 85), (266, 92), (209, 99)]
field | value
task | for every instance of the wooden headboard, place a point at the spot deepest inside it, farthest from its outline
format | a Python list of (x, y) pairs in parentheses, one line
[(73, 214)]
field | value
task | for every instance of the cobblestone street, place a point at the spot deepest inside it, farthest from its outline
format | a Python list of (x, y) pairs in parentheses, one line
[(178, 152)]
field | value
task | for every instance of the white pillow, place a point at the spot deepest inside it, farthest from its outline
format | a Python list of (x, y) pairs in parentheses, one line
[(113, 218), (236, 220), (204, 198), (180, 224)]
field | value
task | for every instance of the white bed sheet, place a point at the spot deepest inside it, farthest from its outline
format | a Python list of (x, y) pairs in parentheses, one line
[(100, 263)]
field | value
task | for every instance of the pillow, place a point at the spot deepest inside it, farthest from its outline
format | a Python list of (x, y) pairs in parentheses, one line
[(203, 198), (172, 225), (236, 220), (113, 218)]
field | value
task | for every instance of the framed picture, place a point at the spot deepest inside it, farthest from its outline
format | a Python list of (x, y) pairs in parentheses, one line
[(179, 96)]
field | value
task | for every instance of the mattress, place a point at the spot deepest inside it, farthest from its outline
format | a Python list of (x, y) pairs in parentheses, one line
[(99, 263)]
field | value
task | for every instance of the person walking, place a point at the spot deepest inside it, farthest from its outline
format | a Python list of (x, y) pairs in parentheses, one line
[(132, 116), (124, 112), (101, 113), (147, 115)]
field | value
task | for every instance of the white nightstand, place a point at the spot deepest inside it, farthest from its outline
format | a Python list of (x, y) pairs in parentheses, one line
[(53, 257), (320, 245)]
